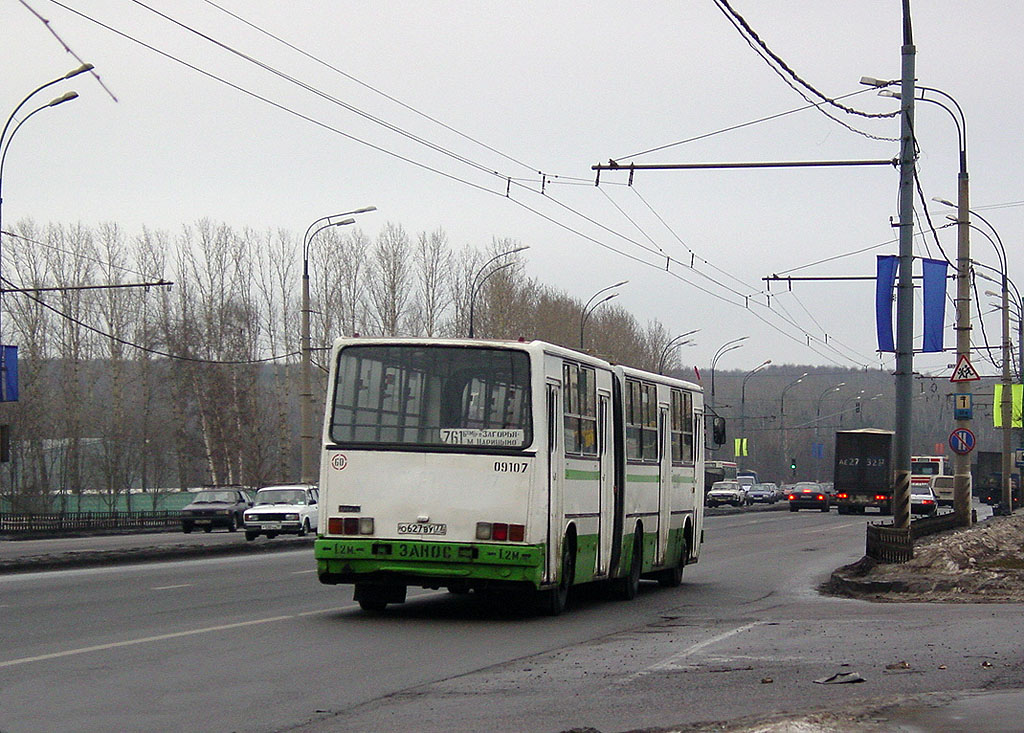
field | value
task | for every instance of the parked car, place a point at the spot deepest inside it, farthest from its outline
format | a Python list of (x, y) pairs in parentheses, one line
[(726, 492), (808, 495), (288, 509), (763, 494), (215, 508), (922, 499)]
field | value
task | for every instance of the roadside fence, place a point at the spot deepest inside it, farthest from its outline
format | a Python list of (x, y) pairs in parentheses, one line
[(61, 522), (886, 543)]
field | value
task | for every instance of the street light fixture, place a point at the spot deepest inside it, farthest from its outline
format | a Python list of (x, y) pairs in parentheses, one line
[(674, 343), (587, 309), (961, 463), (782, 414), (5, 145), (817, 422), (478, 282), (307, 436), (743, 395), (722, 350), (1006, 406)]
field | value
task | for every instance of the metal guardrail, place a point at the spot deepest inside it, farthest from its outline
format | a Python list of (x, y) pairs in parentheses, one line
[(25, 524), (886, 543)]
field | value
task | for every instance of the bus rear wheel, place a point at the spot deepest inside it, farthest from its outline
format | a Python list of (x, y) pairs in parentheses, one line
[(627, 588), (375, 598), (552, 602), (673, 577)]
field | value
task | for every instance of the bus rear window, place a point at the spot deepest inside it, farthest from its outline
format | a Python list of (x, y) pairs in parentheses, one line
[(462, 398)]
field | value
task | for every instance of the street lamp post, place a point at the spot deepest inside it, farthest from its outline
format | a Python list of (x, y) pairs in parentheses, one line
[(782, 416), (722, 350), (5, 139), (743, 396), (961, 462), (817, 424), (478, 282), (5, 145), (588, 309), (674, 343), (1006, 405), (307, 436)]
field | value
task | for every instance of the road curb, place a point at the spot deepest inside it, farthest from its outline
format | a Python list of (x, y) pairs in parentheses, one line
[(102, 558)]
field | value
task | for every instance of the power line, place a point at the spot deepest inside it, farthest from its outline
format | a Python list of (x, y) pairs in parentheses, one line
[(509, 181)]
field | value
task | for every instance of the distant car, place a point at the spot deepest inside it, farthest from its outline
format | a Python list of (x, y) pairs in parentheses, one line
[(288, 509), (922, 499), (942, 487), (807, 495), (763, 494), (215, 508), (726, 492)]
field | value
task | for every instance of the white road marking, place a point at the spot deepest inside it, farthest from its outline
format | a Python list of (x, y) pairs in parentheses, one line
[(303, 572), (172, 587), (673, 661), (165, 637)]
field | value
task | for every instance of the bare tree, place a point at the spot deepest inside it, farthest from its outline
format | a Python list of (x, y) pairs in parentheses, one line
[(433, 272), (390, 280)]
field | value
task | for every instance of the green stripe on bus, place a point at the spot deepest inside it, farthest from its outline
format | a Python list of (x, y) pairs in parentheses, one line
[(431, 560), (643, 478), (577, 475)]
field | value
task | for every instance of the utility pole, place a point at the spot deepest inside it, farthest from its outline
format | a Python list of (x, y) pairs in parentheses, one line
[(905, 287)]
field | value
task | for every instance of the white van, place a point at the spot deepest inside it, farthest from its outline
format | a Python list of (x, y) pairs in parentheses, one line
[(942, 487)]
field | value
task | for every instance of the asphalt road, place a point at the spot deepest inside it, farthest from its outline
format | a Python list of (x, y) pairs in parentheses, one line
[(254, 643)]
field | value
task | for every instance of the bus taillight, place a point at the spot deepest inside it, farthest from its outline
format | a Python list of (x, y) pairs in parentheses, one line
[(500, 531), (350, 525)]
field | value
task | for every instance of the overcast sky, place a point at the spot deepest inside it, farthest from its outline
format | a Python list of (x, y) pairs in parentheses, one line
[(531, 95)]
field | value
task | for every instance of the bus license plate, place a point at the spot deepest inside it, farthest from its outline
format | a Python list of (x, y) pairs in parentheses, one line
[(417, 528)]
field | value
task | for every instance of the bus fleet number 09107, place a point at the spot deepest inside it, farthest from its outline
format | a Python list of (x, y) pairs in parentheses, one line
[(510, 466)]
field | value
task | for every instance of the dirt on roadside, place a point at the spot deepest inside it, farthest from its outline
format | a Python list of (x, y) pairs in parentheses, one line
[(980, 564)]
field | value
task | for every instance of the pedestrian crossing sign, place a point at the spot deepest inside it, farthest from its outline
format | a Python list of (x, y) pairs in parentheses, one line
[(964, 371)]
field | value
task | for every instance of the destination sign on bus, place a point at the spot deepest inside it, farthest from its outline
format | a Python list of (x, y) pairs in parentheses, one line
[(476, 436)]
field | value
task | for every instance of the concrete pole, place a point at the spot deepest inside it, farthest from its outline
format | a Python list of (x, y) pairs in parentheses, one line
[(1007, 402), (905, 288), (962, 462)]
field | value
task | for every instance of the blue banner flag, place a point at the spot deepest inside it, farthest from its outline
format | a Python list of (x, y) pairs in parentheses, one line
[(8, 373), (887, 266), (934, 303)]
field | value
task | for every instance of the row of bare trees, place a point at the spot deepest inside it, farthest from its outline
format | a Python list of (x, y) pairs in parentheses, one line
[(126, 383)]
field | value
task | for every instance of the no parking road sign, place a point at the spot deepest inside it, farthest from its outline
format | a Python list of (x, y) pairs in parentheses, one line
[(961, 441)]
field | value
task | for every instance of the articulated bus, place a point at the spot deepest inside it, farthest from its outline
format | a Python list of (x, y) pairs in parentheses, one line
[(508, 467)]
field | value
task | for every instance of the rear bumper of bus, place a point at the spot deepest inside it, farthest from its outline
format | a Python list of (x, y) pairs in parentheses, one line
[(429, 564)]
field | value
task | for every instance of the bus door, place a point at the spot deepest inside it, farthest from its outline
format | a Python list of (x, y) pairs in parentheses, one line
[(556, 477), (664, 483), (607, 489)]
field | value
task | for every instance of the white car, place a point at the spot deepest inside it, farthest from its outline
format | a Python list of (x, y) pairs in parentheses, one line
[(726, 492), (289, 509), (922, 500)]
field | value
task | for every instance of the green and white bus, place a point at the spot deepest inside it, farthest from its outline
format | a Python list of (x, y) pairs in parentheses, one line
[(505, 466)]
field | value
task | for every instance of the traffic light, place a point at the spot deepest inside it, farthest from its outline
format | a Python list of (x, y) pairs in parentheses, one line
[(792, 464)]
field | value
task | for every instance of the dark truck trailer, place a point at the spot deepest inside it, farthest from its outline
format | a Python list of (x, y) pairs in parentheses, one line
[(987, 479), (863, 470)]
